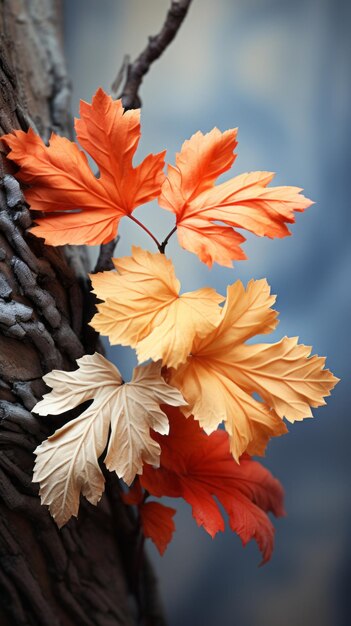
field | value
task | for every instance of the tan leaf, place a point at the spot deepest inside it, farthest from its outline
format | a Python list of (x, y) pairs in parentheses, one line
[(137, 410), (67, 462)]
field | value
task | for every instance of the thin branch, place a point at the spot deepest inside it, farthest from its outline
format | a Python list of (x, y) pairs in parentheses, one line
[(134, 219), (121, 74), (156, 46), (166, 240)]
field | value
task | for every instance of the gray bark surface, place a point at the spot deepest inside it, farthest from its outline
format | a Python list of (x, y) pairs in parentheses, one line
[(83, 574)]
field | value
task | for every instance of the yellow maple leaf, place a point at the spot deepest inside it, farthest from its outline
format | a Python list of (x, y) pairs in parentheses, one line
[(67, 462), (221, 374), (143, 308)]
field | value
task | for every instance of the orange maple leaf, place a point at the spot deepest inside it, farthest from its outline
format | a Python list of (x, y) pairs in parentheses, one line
[(85, 209), (221, 374), (245, 201), (199, 468)]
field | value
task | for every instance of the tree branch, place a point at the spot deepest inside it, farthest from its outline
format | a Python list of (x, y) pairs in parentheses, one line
[(130, 96), (156, 46)]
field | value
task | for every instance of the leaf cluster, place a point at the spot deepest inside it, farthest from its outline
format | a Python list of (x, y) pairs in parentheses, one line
[(197, 371)]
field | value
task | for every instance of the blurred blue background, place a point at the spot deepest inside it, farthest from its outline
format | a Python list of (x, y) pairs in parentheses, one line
[(280, 70)]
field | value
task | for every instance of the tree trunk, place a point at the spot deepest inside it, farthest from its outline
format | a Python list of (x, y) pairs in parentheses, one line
[(85, 574)]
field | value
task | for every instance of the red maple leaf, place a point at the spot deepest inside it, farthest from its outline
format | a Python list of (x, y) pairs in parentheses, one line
[(157, 523), (156, 519), (199, 468)]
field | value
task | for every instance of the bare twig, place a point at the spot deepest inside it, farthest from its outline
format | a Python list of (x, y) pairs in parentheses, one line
[(166, 240), (134, 219), (156, 46), (121, 74)]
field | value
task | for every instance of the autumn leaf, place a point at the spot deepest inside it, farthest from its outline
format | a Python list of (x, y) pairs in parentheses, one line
[(67, 462), (157, 523), (143, 308), (245, 201), (222, 373), (156, 519), (80, 208), (200, 468)]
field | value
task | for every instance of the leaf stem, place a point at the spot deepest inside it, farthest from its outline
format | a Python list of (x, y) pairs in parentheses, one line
[(146, 230), (165, 241), (161, 246)]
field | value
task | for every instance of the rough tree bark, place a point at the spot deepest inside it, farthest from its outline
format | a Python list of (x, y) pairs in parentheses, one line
[(85, 573)]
